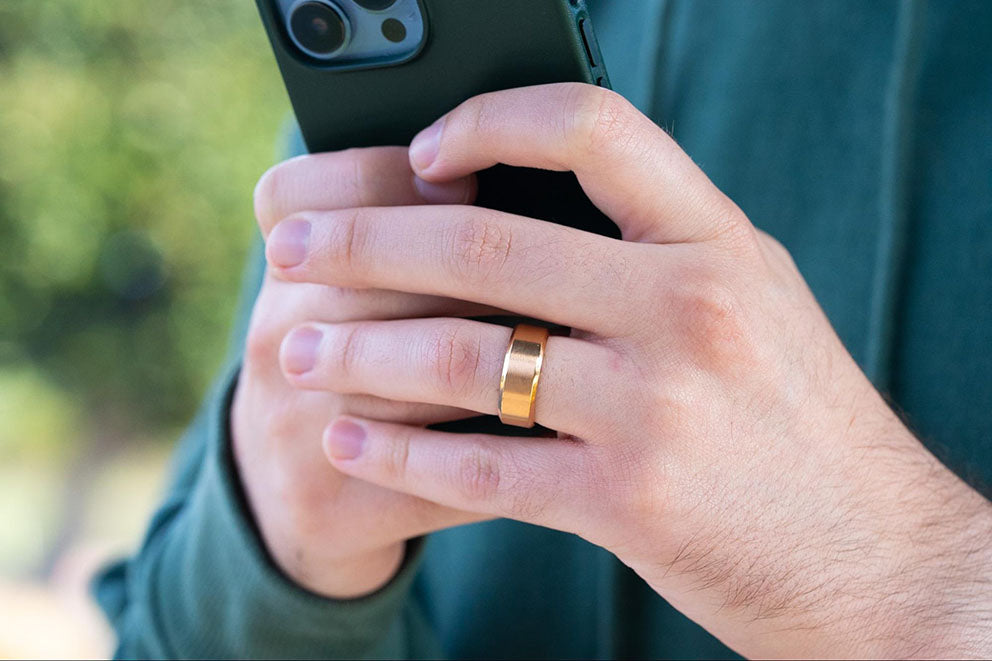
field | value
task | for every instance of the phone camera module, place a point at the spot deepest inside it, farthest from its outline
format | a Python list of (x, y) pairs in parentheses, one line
[(393, 30), (318, 28), (375, 5)]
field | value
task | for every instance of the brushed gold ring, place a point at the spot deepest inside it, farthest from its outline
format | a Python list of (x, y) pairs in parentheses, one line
[(521, 372)]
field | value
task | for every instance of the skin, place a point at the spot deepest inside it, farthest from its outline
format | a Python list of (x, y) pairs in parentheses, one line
[(335, 535), (713, 432)]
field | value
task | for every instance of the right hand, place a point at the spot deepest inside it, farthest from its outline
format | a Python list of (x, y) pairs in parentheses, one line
[(333, 534)]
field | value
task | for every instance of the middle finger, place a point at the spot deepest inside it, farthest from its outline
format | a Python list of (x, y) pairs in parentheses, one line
[(531, 267)]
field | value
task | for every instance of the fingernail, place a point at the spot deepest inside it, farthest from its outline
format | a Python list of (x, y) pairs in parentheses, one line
[(449, 192), (287, 244), (299, 353), (344, 439), (423, 149)]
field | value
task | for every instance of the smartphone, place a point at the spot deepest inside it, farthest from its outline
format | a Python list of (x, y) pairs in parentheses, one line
[(363, 73)]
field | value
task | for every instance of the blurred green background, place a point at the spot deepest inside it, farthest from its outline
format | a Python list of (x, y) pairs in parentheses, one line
[(131, 136)]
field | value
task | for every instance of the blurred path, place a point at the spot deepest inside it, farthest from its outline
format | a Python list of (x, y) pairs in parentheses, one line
[(57, 619)]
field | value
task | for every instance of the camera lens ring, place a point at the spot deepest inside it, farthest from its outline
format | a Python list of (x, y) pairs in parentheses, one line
[(375, 5), (337, 29)]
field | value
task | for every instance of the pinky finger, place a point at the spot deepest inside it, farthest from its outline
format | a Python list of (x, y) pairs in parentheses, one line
[(537, 480)]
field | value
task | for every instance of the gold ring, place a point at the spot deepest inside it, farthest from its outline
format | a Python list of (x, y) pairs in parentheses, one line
[(521, 370)]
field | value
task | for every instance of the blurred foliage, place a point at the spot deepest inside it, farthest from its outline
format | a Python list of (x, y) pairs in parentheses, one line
[(131, 135)]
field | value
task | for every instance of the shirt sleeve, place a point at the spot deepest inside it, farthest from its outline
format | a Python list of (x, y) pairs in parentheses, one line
[(202, 584)]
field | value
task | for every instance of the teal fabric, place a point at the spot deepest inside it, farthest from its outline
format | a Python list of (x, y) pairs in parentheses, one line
[(858, 134)]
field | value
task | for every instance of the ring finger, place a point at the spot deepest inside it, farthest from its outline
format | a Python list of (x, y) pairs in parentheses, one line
[(452, 362)]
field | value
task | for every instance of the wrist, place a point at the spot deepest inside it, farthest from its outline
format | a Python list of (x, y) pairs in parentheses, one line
[(910, 576), (953, 580), (938, 602)]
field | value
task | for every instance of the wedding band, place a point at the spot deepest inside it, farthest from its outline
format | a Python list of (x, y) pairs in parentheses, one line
[(521, 371)]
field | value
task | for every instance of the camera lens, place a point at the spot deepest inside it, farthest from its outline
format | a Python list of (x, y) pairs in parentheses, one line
[(375, 5), (318, 28), (393, 30)]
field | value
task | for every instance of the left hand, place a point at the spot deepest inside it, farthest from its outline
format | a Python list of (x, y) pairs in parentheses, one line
[(713, 431)]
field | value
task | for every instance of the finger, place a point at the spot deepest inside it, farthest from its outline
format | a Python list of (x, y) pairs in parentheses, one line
[(291, 303), (537, 480), (531, 267), (336, 304), (282, 305), (391, 410), (452, 362), (385, 516), (377, 176), (630, 168)]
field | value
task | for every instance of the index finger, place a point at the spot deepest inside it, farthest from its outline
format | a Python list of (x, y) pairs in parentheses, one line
[(628, 166), (369, 177), (526, 266)]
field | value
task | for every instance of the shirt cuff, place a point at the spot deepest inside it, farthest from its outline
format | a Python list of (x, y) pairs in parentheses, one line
[(228, 592)]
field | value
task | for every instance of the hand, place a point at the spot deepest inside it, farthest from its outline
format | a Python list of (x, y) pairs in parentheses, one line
[(713, 431), (336, 535)]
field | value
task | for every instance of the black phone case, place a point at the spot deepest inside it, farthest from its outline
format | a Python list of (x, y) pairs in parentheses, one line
[(471, 47)]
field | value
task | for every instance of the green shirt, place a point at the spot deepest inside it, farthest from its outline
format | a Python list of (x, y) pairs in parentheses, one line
[(858, 134)]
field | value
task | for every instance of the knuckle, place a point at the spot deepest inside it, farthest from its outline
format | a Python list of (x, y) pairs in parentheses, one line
[(715, 323), (477, 114), (478, 476), (347, 238), (480, 249), (488, 479), (346, 349), (732, 227), (396, 458), (599, 118), (360, 192), (454, 359)]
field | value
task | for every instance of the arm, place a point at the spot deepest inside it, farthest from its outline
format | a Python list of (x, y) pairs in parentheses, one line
[(203, 585), (713, 431), (235, 563)]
